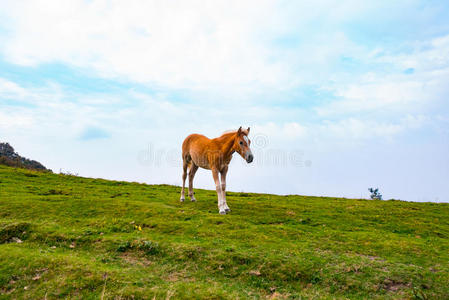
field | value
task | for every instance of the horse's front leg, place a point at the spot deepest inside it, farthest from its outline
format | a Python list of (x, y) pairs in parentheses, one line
[(223, 188), (221, 207)]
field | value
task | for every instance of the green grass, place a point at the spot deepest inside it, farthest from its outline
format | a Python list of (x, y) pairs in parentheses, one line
[(79, 240)]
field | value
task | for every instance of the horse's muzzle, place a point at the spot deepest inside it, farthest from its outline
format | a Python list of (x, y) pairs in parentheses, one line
[(250, 158)]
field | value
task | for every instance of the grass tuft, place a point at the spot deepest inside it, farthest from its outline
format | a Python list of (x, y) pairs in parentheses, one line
[(12, 232)]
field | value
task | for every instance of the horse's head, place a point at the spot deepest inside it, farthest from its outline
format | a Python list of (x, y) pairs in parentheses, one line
[(242, 143)]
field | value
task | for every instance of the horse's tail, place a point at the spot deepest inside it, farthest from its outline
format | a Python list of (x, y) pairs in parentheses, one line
[(187, 160)]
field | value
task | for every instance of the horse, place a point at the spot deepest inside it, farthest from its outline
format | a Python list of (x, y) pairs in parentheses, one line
[(215, 154)]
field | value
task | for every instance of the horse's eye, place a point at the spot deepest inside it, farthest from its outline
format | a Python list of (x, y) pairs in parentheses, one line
[(241, 143)]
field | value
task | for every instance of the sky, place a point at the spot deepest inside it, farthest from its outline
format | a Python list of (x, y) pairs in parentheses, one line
[(340, 96)]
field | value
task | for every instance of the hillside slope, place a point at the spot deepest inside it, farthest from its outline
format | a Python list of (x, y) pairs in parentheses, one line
[(74, 237)]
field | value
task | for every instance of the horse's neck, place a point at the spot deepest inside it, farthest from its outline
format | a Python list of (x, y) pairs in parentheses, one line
[(228, 142)]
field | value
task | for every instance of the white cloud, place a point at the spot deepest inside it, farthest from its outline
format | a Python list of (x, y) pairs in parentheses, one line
[(187, 45), (229, 46), (383, 96), (14, 121), (353, 129), (280, 131), (398, 92), (11, 90), (426, 55), (154, 118)]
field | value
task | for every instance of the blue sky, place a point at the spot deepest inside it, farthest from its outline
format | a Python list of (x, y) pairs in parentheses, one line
[(340, 95)]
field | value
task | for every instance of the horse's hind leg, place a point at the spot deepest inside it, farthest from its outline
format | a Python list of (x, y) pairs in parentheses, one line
[(192, 172), (185, 164)]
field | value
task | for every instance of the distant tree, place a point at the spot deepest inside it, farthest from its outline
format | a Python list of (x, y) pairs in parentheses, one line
[(11, 158), (375, 195)]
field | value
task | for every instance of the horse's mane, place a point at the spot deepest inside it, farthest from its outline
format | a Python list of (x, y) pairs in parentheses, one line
[(233, 131), (228, 131)]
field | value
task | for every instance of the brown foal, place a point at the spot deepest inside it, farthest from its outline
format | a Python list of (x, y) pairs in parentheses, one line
[(215, 155)]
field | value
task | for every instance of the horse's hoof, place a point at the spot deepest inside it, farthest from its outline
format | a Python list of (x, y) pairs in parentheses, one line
[(222, 212), (193, 199), (227, 210), (182, 199)]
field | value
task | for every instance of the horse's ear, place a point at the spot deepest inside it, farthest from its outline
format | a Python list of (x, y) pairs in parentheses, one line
[(247, 130), (240, 130)]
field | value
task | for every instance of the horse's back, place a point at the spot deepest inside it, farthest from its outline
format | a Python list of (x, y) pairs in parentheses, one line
[(193, 141)]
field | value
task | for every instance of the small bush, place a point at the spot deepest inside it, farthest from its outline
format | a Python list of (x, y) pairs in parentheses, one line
[(375, 195), (149, 247), (124, 247)]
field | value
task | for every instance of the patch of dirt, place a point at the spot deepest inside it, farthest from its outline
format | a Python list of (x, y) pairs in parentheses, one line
[(370, 257), (255, 272), (353, 269), (394, 286), (135, 259), (176, 276), (277, 295)]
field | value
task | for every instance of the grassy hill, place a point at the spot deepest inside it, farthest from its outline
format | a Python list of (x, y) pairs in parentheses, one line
[(74, 237)]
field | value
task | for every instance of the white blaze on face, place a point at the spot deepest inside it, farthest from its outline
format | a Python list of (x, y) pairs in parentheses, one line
[(248, 153)]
